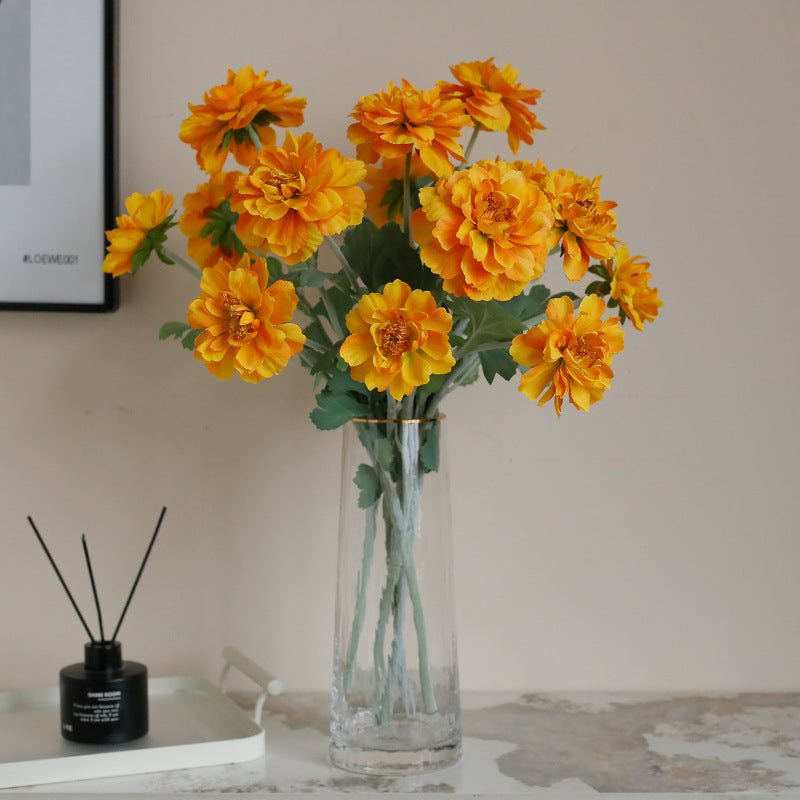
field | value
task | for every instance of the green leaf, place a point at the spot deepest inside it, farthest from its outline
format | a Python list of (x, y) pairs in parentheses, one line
[(341, 400), (275, 268), (367, 480), (265, 117), (497, 362), (598, 287), (601, 271), (334, 410), (381, 255), (384, 453), (429, 449), (528, 306), (241, 135), (173, 329), (489, 322), (139, 258), (306, 276), (189, 339)]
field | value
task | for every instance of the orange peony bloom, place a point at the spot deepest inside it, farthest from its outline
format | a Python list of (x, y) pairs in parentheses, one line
[(245, 323), (393, 122), (570, 356), (398, 340), (584, 225), (385, 195), (198, 205), (231, 114), (494, 100), (485, 230), (630, 286), (145, 212), (297, 194)]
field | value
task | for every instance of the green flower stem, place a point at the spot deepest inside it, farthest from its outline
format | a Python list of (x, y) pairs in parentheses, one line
[(345, 264), (475, 131), (315, 346), (453, 380), (361, 595), (332, 317), (410, 573), (255, 137), (193, 270)]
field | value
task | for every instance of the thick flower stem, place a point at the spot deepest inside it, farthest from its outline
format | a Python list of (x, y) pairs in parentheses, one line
[(194, 271), (361, 595)]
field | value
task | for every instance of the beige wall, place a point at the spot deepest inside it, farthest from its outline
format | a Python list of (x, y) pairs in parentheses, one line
[(650, 544)]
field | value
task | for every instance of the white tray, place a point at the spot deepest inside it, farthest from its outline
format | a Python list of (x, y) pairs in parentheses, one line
[(192, 724)]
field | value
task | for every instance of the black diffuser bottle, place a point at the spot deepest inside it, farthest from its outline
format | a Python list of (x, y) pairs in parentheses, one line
[(103, 699)]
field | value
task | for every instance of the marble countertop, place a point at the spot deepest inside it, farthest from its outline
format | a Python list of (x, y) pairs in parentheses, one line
[(561, 745)]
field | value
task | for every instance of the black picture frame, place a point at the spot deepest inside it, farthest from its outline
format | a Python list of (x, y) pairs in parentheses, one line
[(53, 221)]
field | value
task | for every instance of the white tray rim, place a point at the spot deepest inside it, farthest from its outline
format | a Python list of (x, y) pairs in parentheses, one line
[(247, 745)]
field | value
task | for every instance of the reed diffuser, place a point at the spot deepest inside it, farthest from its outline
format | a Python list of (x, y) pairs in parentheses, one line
[(103, 698)]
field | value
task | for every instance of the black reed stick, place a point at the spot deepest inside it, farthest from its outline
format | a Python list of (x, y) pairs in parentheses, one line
[(139, 574), (63, 583), (94, 588)]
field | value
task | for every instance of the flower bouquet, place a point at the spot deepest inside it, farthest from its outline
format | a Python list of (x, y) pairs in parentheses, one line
[(437, 282)]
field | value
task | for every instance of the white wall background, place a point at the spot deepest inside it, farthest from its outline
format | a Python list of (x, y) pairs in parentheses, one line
[(652, 543)]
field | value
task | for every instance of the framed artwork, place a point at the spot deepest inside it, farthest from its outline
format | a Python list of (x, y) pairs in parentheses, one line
[(56, 154)]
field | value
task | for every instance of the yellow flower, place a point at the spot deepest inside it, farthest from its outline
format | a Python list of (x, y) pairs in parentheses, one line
[(244, 322), (230, 113), (484, 230), (630, 286), (398, 340), (494, 100), (385, 195), (393, 122), (145, 212), (297, 194), (570, 356), (584, 225), (199, 205)]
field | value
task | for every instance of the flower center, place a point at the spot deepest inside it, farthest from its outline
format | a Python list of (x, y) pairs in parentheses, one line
[(582, 351), (290, 184), (277, 177), (589, 205), (495, 209), (396, 338), (242, 323)]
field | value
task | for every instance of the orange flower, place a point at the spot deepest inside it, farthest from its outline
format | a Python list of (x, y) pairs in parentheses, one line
[(231, 114), (630, 286), (393, 122), (494, 99), (585, 224), (245, 323), (145, 213), (385, 196), (570, 356), (398, 340), (485, 230), (199, 205), (295, 195)]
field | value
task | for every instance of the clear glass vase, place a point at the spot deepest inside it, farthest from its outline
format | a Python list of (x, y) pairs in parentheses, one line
[(395, 700)]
